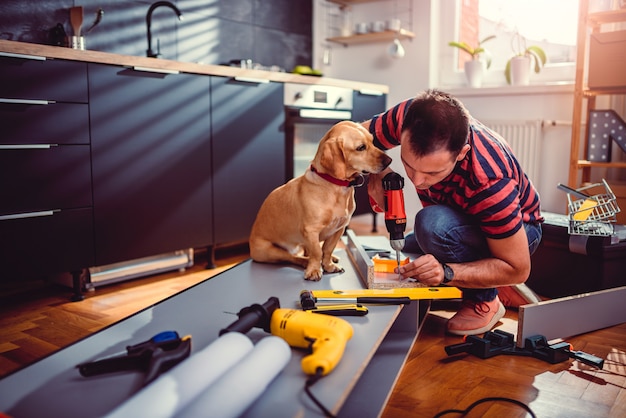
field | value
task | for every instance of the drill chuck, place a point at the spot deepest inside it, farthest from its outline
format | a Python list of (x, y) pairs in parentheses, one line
[(397, 244)]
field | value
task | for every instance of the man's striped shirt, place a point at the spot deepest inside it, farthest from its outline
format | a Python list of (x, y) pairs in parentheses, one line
[(488, 184)]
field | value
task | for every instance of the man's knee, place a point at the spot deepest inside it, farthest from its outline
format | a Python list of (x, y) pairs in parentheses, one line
[(432, 222)]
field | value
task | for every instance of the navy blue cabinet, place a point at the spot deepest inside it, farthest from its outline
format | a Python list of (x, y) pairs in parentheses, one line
[(248, 152), (46, 220), (151, 161)]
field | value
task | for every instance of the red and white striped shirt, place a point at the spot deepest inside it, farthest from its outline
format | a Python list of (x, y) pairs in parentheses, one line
[(488, 184)]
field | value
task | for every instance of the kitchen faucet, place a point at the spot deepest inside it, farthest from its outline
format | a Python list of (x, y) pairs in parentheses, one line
[(149, 52)]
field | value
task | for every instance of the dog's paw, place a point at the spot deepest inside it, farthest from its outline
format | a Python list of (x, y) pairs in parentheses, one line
[(314, 275), (333, 268)]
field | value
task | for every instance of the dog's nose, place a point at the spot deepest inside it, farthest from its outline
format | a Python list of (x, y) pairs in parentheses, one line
[(386, 161)]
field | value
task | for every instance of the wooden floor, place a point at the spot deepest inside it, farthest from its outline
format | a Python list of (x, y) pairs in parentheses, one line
[(39, 319)]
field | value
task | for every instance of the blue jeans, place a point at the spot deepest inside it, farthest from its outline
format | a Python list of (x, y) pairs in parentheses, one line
[(452, 237)]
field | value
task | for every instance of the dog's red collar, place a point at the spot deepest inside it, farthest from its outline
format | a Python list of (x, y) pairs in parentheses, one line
[(338, 182)]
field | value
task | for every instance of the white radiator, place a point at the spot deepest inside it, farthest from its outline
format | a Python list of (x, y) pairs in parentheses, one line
[(524, 137)]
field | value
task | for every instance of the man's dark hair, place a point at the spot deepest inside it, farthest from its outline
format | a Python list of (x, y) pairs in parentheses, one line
[(435, 121)]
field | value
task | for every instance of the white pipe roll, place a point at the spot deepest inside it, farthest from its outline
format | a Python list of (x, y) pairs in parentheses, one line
[(177, 388), (239, 387)]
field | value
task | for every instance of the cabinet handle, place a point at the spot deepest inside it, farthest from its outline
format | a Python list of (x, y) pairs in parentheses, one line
[(23, 56), (155, 70), (26, 101), (252, 80), (28, 215), (368, 92), (28, 146)]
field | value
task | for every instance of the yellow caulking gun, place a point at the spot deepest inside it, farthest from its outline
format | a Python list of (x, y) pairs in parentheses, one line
[(326, 336)]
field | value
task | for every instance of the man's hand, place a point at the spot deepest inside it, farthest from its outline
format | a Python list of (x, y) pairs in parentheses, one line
[(426, 269), (508, 265), (375, 189)]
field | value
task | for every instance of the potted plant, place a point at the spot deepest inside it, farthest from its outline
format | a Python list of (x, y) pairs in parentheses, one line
[(474, 67), (517, 71)]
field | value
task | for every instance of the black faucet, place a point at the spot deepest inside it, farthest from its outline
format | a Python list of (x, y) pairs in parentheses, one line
[(149, 52)]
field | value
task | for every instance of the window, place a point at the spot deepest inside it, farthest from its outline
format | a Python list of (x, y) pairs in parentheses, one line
[(552, 25)]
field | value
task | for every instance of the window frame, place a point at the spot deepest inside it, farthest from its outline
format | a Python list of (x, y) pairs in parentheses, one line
[(451, 76)]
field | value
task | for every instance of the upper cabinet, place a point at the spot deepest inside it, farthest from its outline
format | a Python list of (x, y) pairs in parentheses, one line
[(343, 28)]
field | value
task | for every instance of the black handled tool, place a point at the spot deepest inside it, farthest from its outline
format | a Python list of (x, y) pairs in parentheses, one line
[(154, 356), (308, 300), (497, 342), (571, 191)]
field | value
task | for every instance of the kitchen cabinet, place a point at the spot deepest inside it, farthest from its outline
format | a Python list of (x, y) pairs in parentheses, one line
[(121, 157), (249, 153), (45, 168), (151, 161)]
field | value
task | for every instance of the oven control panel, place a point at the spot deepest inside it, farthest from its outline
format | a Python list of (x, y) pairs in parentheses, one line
[(317, 97)]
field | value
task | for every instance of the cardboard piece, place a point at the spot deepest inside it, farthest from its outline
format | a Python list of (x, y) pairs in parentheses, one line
[(607, 66)]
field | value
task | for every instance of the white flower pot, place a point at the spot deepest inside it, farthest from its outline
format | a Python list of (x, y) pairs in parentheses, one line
[(520, 71), (474, 73)]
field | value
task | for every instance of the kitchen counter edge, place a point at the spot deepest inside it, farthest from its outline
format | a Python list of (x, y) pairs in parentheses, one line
[(52, 52)]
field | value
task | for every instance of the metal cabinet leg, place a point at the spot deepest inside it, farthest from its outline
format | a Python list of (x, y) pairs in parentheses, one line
[(78, 283), (210, 257)]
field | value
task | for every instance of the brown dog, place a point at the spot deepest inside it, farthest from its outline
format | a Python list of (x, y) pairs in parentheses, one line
[(302, 221)]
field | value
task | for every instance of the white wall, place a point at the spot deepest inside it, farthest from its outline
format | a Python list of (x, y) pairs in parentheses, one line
[(555, 104), (418, 70)]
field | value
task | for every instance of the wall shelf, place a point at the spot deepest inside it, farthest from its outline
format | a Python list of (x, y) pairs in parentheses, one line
[(609, 16), (384, 36), (585, 163)]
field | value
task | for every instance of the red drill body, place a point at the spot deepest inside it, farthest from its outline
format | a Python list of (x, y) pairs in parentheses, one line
[(395, 216)]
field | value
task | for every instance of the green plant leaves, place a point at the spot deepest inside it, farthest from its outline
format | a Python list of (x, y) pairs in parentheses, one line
[(539, 56)]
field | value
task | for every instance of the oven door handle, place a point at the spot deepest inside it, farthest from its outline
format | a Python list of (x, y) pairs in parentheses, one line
[(325, 114)]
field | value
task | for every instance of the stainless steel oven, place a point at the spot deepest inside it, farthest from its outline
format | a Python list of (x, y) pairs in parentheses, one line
[(310, 111)]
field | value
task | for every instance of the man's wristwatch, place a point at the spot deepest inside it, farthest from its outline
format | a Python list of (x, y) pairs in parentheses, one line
[(448, 273)]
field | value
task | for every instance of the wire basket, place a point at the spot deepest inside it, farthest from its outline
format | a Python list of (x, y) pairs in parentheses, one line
[(594, 215)]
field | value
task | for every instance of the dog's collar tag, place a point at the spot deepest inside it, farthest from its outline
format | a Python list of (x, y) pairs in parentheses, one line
[(339, 182)]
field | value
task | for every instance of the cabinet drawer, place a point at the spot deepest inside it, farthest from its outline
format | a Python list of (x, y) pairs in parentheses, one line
[(55, 123), (43, 79), (62, 241), (58, 177)]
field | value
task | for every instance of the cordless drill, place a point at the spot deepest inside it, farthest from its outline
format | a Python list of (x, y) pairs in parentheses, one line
[(395, 217), (326, 336)]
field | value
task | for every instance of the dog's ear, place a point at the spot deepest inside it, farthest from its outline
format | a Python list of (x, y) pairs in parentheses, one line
[(332, 158)]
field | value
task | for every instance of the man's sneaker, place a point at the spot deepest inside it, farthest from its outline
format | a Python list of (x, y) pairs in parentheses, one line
[(517, 295), (476, 317)]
